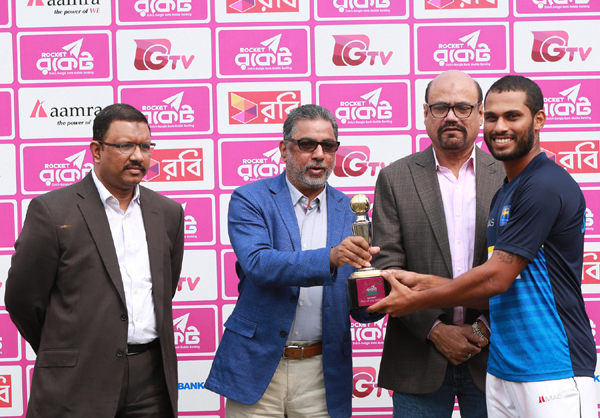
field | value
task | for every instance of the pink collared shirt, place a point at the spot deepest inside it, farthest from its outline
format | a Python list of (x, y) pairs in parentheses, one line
[(459, 200)]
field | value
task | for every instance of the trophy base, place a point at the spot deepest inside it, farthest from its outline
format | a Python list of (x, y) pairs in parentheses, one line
[(367, 287)]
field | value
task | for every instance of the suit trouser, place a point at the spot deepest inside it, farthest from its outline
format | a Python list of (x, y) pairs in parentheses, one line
[(297, 390), (144, 392)]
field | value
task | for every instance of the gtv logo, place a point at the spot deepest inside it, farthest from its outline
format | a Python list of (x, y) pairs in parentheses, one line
[(189, 281), (155, 54), (552, 46), (353, 161), (365, 382), (353, 50)]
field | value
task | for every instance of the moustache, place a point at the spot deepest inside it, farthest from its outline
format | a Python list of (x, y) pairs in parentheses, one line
[(453, 125), (135, 165), (317, 165)]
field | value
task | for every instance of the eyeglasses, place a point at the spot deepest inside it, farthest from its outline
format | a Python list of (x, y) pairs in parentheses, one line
[(462, 111), (309, 145), (129, 147)]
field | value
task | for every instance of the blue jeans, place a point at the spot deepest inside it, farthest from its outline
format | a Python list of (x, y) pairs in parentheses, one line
[(440, 404)]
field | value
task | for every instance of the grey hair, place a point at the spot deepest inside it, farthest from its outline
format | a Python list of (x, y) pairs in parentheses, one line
[(310, 112)]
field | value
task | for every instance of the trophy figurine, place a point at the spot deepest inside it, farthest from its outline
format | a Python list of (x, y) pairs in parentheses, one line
[(366, 286)]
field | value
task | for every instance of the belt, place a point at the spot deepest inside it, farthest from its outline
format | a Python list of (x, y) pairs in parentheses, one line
[(296, 351), (133, 349)]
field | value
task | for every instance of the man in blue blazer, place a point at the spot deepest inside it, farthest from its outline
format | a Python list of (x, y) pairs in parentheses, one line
[(286, 349)]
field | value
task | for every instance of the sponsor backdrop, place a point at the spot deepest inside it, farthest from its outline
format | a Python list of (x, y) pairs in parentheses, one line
[(216, 79)]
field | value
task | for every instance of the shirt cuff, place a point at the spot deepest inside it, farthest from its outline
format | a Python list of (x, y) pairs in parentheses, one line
[(437, 321)]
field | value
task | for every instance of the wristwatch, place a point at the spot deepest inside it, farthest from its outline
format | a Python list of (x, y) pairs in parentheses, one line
[(477, 331)]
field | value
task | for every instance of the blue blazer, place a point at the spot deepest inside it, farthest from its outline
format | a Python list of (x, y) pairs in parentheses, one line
[(272, 267)]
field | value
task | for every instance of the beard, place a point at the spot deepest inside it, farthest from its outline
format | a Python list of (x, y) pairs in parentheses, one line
[(524, 144), (454, 142), (304, 177)]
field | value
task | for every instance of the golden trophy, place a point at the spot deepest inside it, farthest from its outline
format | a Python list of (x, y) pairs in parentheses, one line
[(366, 286)]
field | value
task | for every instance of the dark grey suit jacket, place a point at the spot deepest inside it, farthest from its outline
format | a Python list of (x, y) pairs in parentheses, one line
[(65, 294), (410, 227)]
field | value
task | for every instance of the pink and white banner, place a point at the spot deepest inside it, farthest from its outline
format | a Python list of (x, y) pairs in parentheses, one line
[(217, 78)]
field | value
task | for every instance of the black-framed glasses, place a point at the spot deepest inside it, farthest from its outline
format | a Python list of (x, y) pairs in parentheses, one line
[(462, 111), (129, 147), (309, 145)]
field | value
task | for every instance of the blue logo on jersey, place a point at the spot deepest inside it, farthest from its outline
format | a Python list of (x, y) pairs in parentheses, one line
[(583, 226), (505, 215)]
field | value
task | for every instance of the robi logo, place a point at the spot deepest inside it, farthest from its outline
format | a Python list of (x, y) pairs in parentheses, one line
[(365, 382), (155, 54), (353, 50), (5, 391), (552, 46), (354, 162)]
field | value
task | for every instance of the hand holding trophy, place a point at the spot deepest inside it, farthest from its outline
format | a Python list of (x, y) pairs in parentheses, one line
[(366, 286)]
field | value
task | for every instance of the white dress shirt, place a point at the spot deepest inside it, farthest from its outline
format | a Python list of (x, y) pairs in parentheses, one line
[(312, 222), (129, 236)]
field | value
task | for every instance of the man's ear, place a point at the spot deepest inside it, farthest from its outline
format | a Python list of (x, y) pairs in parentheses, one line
[(283, 151), (95, 149), (539, 120)]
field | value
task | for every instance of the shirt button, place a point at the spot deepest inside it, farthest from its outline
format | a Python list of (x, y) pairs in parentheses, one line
[(301, 303), (138, 319), (458, 242), (135, 292), (459, 269), (283, 334), (293, 298), (123, 317), (458, 214), (119, 353), (297, 333)]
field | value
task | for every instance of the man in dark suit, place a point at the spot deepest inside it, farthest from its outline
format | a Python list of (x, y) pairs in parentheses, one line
[(430, 216), (91, 282), (286, 349)]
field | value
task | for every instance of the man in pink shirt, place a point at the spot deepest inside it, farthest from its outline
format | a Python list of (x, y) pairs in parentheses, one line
[(430, 216)]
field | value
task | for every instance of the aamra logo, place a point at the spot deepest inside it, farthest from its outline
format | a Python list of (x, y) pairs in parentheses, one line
[(466, 52), (354, 50), (71, 111), (38, 110), (185, 335), (155, 54), (63, 174), (161, 8), (66, 61), (269, 56), (461, 4), (361, 5), (262, 6), (371, 109), (354, 161), (5, 391), (553, 46), (272, 106), (558, 3), (190, 223), (173, 114), (253, 169), (569, 106), (55, 3)]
